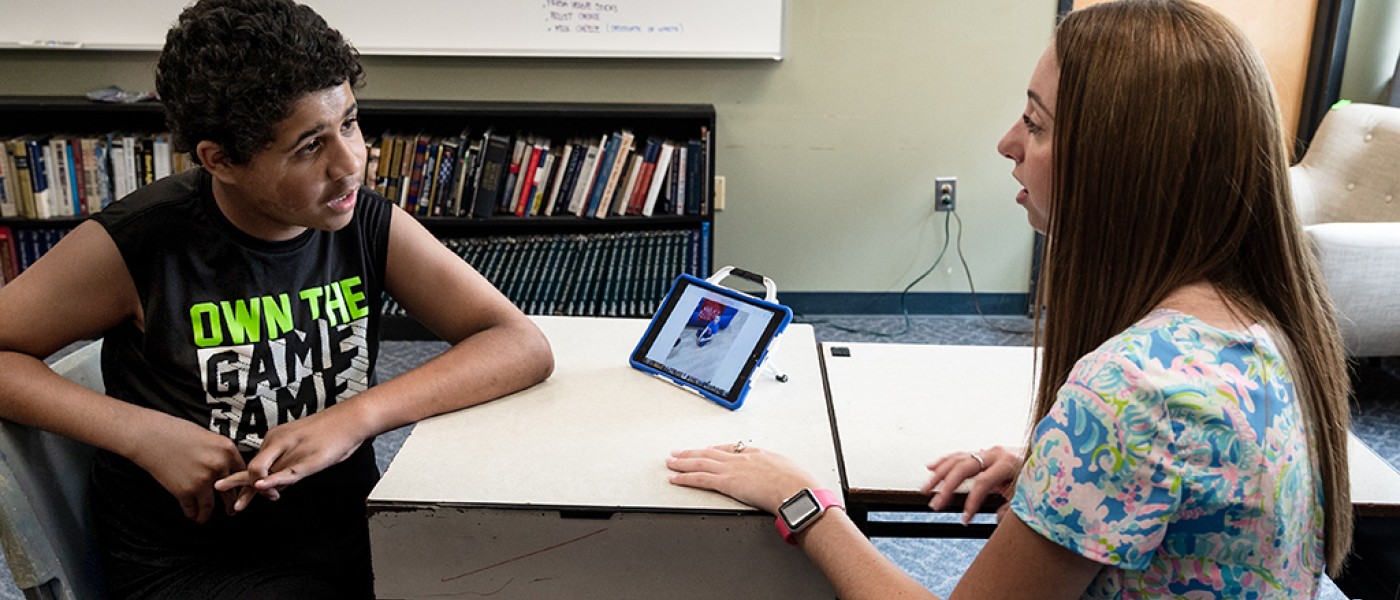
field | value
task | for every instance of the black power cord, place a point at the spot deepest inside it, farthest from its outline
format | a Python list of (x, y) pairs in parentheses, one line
[(904, 295)]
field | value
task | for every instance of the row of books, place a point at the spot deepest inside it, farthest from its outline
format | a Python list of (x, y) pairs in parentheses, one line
[(605, 274), (20, 247), (529, 175), (52, 176), (58, 176)]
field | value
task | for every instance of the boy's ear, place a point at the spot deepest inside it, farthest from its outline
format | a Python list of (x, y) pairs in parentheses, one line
[(215, 161)]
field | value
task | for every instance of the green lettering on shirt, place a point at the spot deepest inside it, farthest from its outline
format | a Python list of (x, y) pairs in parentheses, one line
[(243, 318), (208, 330)]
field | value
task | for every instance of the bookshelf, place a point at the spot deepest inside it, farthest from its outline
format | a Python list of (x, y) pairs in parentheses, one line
[(617, 265)]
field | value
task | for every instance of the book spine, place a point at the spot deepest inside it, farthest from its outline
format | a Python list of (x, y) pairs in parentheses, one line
[(663, 167), (429, 190), (629, 186), (19, 157), (9, 194), (56, 165), (91, 181), (542, 181), (650, 153), (587, 174), (518, 156), (619, 164), (39, 180), (416, 173), (102, 150), (466, 153), (695, 163), (445, 187), (601, 176), (9, 269), (677, 181), (561, 169), (493, 172), (529, 167), (160, 150), (73, 157)]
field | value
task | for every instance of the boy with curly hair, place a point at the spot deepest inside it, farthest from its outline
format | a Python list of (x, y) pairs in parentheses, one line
[(239, 306)]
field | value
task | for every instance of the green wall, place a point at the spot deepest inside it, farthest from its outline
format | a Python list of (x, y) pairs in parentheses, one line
[(829, 155)]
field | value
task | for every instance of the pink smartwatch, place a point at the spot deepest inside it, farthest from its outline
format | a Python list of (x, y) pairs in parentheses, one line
[(803, 509)]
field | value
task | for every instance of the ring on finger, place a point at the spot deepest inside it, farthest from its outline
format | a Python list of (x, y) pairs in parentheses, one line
[(981, 464), (738, 447)]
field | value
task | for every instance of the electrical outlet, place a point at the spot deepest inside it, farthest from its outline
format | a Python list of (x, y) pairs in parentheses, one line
[(719, 193), (945, 194)]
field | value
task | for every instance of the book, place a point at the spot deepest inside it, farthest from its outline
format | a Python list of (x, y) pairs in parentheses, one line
[(675, 202), (587, 174), (571, 176), (73, 151), (9, 195), (518, 155), (160, 151), (542, 182), (24, 188), (651, 151), (495, 156), (551, 200), (386, 159), (129, 163), (466, 152), (617, 164), (416, 172), (56, 166), (9, 260), (101, 150), (529, 165), (445, 185), (663, 167), (372, 153), (695, 170), (629, 188), (91, 179), (39, 178), (148, 166), (430, 177), (607, 155)]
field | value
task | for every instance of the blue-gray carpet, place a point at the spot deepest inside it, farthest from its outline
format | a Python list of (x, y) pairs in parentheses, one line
[(938, 563)]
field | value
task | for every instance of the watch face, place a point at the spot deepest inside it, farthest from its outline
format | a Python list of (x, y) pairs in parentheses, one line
[(799, 510)]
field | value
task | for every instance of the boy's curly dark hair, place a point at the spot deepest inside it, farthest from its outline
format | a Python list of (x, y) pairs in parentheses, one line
[(231, 70)]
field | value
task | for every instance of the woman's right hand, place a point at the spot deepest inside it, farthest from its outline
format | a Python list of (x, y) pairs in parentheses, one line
[(1002, 464)]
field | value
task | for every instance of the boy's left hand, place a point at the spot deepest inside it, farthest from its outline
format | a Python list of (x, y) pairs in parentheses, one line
[(291, 452)]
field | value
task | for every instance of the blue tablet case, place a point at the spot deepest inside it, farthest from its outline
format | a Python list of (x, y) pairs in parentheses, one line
[(709, 339)]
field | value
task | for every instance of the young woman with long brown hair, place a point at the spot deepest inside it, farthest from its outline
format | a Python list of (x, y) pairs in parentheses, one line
[(1192, 410)]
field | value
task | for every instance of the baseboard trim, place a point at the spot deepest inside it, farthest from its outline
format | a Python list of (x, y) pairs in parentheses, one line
[(918, 303)]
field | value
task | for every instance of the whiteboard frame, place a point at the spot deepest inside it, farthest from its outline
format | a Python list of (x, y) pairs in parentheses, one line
[(62, 45)]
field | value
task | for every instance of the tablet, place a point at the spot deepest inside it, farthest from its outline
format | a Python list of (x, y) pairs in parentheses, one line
[(709, 339)]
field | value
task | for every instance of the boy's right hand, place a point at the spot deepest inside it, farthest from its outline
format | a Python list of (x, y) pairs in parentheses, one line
[(186, 460)]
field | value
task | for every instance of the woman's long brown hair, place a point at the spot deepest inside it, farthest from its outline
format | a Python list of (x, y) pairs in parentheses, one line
[(1170, 168)]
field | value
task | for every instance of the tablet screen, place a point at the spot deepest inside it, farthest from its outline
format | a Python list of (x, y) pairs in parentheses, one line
[(709, 337)]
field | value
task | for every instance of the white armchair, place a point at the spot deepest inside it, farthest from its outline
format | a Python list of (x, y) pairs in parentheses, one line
[(1347, 192)]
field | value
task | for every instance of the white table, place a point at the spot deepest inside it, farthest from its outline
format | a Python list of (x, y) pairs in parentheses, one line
[(900, 406), (560, 491)]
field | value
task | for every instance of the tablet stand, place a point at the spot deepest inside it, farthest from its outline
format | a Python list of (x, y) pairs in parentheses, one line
[(770, 295)]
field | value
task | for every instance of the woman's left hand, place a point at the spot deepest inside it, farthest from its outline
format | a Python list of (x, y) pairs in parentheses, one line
[(754, 476)]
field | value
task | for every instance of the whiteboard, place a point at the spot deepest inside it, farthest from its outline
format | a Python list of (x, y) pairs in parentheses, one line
[(581, 28)]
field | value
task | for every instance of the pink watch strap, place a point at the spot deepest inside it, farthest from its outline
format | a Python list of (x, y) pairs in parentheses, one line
[(825, 498)]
